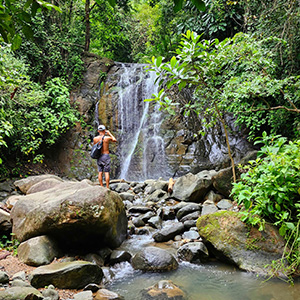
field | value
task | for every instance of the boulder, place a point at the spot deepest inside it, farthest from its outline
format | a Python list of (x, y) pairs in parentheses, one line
[(4, 278), (147, 216), (222, 181), (104, 294), (44, 185), (190, 235), (192, 188), (194, 252), (155, 260), (122, 187), (212, 196), (167, 213), (119, 256), (5, 224), (95, 259), (26, 183), (163, 290), (126, 196), (85, 295), (168, 232), (187, 209), (224, 204), (12, 200), (155, 222), (139, 209), (75, 214), (138, 222), (66, 275), (156, 196), (236, 242), (157, 185), (20, 293), (192, 216), (208, 208), (51, 293), (37, 251)]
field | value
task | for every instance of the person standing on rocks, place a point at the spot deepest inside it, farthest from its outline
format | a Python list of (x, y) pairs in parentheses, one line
[(103, 162)]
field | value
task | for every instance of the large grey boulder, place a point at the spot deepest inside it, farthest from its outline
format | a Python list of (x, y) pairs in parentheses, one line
[(75, 214), (20, 293), (44, 185), (155, 260), (234, 241), (26, 183), (66, 275), (192, 188), (168, 232), (37, 251)]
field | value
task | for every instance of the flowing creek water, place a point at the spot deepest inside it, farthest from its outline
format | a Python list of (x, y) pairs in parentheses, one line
[(209, 281), (142, 156)]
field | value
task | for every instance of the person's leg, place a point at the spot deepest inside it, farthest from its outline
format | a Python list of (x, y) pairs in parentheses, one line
[(100, 178), (106, 174)]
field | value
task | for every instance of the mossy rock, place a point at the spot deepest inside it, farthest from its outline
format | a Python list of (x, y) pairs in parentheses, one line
[(234, 241)]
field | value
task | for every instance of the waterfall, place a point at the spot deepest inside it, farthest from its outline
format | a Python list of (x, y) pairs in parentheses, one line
[(141, 148)]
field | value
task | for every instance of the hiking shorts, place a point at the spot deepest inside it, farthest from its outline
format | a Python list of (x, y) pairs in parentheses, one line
[(103, 163)]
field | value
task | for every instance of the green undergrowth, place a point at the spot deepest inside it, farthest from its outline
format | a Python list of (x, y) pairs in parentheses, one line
[(269, 191)]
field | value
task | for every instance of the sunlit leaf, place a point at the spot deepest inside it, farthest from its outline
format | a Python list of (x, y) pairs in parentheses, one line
[(16, 42)]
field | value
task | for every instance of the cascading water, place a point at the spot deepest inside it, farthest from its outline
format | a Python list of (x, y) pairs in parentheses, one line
[(141, 148)]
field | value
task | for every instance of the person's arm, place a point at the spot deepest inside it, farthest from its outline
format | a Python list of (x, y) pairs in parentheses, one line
[(113, 139)]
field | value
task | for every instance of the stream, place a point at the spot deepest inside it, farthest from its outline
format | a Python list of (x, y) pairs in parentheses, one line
[(209, 281)]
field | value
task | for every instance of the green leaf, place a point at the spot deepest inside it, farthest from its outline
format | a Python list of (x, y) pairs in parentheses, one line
[(199, 4), (178, 5), (181, 85), (112, 2), (27, 4), (27, 31), (173, 61), (16, 42), (158, 61), (3, 34)]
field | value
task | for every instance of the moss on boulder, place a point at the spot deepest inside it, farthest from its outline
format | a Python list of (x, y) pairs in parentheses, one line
[(234, 241)]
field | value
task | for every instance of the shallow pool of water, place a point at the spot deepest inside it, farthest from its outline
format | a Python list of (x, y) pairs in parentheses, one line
[(211, 281)]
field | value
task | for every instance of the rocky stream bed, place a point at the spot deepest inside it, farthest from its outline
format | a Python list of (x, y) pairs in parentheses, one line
[(73, 234)]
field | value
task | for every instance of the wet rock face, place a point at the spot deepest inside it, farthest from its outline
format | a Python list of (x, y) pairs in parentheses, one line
[(169, 148)]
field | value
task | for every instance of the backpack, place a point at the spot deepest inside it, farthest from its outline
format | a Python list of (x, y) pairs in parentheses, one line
[(96, 149)]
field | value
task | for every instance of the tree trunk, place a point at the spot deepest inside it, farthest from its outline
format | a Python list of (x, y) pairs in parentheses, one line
[(227, 141), (87, 26)]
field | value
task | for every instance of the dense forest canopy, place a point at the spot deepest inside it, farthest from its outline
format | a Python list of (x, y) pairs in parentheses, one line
[(44, 44)]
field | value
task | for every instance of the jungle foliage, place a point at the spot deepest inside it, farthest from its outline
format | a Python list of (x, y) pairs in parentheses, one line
[(269, 191), (32, 116)]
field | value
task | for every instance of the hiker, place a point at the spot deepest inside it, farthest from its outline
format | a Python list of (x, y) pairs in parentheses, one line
[(103, 162)]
